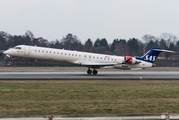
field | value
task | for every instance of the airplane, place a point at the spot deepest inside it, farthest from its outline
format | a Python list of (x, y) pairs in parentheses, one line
[(91, 60)]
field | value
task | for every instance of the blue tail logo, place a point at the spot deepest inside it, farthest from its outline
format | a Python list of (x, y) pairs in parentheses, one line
[(150, 58), (152, 54)]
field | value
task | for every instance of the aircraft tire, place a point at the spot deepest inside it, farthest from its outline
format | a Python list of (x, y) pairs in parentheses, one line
[(95, 72), (89, 72)]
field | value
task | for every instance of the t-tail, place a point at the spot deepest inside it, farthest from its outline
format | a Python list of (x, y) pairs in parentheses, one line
[(152, 54)]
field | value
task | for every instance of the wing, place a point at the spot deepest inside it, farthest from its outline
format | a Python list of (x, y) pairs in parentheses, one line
[(98, 65)]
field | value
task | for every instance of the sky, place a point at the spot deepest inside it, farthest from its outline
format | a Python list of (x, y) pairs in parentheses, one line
[(110, 19)]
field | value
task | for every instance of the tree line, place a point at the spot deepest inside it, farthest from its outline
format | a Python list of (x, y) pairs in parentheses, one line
[(123, 47), (132, 46)]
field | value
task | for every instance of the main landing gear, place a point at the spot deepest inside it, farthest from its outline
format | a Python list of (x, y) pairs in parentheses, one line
[(90, 71)]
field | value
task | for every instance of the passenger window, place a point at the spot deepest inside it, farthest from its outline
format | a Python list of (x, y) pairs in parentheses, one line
[(65, 54), (39, 50), (54, 52), (79, 55), (46, 51), (76, 55), (61, 53), (35, 50), (57, 52), (72, 54)]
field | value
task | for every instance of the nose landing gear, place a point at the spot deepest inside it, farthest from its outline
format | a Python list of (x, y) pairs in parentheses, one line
[(90, 71), (12, 60)]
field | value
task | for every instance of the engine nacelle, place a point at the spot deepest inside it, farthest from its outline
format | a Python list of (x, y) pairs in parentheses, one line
[(132, 60)]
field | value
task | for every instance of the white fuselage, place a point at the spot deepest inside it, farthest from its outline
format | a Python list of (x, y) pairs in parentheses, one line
[(73, 57)]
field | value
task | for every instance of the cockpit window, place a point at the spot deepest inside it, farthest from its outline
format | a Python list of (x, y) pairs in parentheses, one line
[(17, 48)]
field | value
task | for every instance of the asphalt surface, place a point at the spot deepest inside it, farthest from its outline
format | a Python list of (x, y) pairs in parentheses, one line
[(110, 75)]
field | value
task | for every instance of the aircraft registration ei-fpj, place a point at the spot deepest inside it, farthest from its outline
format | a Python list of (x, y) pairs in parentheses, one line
[(90, 60)]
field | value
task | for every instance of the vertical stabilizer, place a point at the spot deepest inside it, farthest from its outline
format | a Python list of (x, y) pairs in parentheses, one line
[(152, 54)]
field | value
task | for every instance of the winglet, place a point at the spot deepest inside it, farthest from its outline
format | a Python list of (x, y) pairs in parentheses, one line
[(1, 52)]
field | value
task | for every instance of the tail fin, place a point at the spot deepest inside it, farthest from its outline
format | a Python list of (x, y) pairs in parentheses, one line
[(152, 54)]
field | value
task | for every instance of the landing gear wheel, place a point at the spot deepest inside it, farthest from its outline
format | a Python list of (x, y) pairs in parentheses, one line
[(12, 60), (89, 71), (95, 72)]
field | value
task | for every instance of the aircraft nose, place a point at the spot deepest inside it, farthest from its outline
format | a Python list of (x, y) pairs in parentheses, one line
[(6, 52)]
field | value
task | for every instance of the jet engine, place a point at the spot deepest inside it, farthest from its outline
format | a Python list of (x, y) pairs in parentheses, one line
[(132, 60)]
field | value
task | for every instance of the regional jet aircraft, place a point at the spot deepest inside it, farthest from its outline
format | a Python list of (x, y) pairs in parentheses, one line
[(91, 60)]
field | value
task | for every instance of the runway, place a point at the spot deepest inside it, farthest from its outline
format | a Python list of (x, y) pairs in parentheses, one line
[(109, 75)]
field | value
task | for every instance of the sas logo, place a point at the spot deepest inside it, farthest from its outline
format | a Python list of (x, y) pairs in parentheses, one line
[(150, 58)]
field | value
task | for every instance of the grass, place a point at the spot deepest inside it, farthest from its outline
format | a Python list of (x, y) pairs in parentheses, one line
[(88, 97)]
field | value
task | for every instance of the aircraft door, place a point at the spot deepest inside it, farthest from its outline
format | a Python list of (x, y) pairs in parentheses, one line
[(26, 50), (89, 57), (85, 57)]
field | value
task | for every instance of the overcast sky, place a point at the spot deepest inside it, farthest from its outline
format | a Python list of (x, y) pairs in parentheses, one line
[(110, 19)]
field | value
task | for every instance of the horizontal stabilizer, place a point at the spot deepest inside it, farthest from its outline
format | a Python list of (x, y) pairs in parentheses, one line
[(162, 50)]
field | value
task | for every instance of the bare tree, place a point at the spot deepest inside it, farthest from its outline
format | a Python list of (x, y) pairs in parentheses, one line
[(147, 38), (169, 38), (29, 34), (71, 42)]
